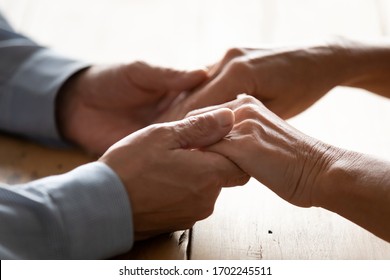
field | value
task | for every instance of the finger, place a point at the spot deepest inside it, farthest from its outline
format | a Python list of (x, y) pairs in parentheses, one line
[(218, 91), (169, 100), (231, 54), (210, 108), (201, 130), (182, 80), (233, 105), (215, 167), (162, 79), (229, 174), (228, 149), (233, 176)]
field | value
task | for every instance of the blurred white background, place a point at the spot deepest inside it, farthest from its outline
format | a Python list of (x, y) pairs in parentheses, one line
[(189, 33), (193, 33)]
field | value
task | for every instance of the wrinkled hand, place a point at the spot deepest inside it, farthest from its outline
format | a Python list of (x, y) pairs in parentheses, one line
[(267, 148), (101, 105), (287, 81), (170, 183)]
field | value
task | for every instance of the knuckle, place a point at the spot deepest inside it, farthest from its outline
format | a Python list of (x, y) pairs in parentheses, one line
[(242, 70), (239, 67), (202, 124), (159, 131), (247, 111), (139, 64), (248, 99), (199, 124), (135, 71), (248, 126), (234, 52)]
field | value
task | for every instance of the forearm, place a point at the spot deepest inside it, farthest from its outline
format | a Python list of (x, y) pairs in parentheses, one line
[(357, 187), (30, 78), (83, 214), (364, 65)]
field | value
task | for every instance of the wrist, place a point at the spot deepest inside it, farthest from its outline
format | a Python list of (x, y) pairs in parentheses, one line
[(322, 174), (333, 177), (345, 62), (334, 64), (363, 62), (67, 103)]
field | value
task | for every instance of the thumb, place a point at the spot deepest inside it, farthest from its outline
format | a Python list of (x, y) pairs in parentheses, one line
[(164, 79), (181, 80), (202, 130)]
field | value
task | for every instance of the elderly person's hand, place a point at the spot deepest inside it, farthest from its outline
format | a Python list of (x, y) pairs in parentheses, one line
[(172, 184), (102, 104), (287, 161), (306, 171), (289, 80)]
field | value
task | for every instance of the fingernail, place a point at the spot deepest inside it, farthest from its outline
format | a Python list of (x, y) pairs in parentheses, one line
[(224, 117)]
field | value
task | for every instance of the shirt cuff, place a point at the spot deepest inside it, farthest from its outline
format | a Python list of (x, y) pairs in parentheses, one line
[(34, 88), (95, 212)]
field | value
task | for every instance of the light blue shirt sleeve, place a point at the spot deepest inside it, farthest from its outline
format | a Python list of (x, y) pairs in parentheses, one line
[(30, 78), (83, 214)]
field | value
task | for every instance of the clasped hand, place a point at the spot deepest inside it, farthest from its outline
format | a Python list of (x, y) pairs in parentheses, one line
[(173, 172), (267, 148)]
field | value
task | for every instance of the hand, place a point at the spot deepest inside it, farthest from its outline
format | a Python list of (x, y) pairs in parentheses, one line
[(276, 154), (101, 105), (287, 81), (305, 171), (170, 183)]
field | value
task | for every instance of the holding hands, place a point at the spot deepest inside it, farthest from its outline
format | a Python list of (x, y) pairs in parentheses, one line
[(186, 162), (171, 184), (172, 168), (304, 171), (266, 147)]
